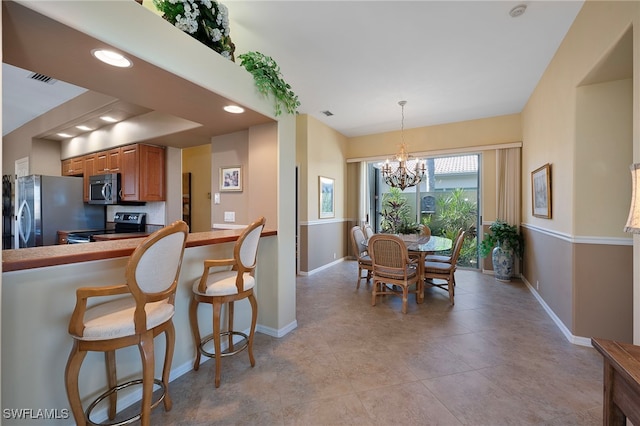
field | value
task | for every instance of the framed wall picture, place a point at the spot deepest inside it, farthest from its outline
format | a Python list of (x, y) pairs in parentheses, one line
[(327, 197), (231, 178), (541, 191)]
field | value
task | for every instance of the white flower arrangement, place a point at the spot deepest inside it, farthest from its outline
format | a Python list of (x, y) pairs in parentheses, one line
[(205, 20)]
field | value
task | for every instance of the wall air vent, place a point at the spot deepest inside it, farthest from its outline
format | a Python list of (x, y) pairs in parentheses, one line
[(327, 113), (42, 78)]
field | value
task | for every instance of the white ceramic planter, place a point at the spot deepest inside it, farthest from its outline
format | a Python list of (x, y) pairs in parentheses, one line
[(502, 263)]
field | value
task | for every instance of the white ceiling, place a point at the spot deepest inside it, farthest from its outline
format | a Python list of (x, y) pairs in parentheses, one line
[(451, 60)]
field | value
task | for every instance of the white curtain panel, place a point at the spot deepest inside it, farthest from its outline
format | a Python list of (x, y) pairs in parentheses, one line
[(509, 185)]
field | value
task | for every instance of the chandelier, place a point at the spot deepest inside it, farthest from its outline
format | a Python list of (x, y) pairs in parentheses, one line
[(403, 176)]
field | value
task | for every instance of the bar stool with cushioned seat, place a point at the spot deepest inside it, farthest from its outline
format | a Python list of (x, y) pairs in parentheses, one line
[(235, 282), (145, 311)]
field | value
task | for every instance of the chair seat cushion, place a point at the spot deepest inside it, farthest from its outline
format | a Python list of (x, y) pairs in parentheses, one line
[(394, 274), (224, 283), (437, 258), (437, 267), (114, 319), (365, 260)]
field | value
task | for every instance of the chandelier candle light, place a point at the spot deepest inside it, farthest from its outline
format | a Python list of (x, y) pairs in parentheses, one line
[(403, 177)]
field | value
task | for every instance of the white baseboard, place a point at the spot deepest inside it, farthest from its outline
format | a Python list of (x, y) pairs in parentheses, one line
[(576, 340), (323, 267)]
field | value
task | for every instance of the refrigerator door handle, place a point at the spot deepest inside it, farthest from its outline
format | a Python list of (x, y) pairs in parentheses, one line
[(24, 233)]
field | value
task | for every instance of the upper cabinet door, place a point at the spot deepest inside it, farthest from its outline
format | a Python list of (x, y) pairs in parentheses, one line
[(129, 171)]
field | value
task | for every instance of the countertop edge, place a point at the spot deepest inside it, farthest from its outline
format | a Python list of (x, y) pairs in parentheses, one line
[(40, 257)]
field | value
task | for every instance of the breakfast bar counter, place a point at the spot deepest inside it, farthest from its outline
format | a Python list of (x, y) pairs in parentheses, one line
[(37, 257)]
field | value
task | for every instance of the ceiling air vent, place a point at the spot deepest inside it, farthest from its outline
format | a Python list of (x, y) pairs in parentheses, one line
[(42, 78), (327, 113)]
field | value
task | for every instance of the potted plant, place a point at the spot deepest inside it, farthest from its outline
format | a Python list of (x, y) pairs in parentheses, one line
[(396, 214), (503, 243), (207, 22)]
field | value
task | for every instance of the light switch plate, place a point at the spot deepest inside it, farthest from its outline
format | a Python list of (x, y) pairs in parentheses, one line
[(216, 198), (229, 216)]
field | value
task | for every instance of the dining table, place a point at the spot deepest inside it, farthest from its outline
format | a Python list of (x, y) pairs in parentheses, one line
[(421, 246)]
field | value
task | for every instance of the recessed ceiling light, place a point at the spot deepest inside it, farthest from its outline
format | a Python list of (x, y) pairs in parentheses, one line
[(108, 119), (518, 10), (112, 58), (85, 128), (64, 135), (234, 109)]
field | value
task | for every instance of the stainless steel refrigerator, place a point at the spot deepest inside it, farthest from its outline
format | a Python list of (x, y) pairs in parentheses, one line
[(47, 204)]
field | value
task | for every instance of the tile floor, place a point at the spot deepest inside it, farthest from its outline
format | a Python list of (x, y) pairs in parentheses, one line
[(495, 358)]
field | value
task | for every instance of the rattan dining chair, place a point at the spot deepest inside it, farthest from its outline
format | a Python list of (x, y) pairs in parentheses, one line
[(446, 258), (361, 254), (392, 269), (437, 272)]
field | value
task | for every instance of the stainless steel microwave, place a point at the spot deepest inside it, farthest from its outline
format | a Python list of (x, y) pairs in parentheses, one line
[(104, 189)]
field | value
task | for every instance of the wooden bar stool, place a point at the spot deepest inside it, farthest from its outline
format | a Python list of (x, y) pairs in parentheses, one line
[(233, 283), (145, 311)]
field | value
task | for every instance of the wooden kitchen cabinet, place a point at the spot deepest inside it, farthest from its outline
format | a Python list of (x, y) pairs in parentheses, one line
[(89, 170), (108, 161), (73, 166), (142, 170)]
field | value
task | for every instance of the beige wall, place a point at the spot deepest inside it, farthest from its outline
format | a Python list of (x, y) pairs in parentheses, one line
[(255, 150), (321, 152), (262, 179), (229, 151), (579, 119), (326, 151), (445, 137), (603, 152), (197, 161)]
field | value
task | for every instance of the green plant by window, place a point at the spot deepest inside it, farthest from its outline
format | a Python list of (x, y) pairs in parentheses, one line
[(454, 211), (205, 20), (396, 214), (269, 81), (503, 234)]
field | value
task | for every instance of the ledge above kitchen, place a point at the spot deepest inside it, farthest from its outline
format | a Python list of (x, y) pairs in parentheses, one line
[(39, 257)]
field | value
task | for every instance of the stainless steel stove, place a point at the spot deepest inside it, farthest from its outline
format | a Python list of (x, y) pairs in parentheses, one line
[(123, 223)]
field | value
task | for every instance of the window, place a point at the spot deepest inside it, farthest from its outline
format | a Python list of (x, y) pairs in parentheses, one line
[(446, 199)]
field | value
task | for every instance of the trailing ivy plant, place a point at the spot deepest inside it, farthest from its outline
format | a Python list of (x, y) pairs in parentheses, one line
[(269, 81)]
